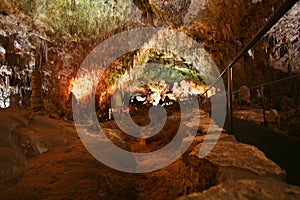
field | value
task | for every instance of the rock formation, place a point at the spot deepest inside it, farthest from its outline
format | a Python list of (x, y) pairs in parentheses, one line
[(39, 65), (244, 95), (36, 96)]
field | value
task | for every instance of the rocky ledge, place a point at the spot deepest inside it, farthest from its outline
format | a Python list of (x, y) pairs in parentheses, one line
[(238, 171)]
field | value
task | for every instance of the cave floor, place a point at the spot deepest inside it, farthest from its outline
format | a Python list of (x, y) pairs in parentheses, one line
[(60, 167), (43, 158)]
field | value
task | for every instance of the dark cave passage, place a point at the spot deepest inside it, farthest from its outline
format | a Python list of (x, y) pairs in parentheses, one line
[(281, 148)]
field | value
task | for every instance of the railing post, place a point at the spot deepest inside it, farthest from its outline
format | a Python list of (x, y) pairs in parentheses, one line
[(284, 7), (229, 100), (263, 104)]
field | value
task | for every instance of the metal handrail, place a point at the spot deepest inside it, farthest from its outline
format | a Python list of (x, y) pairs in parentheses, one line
[(286, 5), (268, 83), (262, 91), (277, 15)]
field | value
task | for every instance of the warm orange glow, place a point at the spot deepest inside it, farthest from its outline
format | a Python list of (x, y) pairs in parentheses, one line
[(82, 87), (200, 89), (71, 84)]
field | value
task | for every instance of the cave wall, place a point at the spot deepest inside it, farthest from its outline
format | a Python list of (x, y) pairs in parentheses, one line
[(223, 28)]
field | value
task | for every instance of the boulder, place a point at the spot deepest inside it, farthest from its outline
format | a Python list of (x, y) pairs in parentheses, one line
[(233, 170), (116, 137), (235, 160), (273, 116), (31, 146), (244, 95)]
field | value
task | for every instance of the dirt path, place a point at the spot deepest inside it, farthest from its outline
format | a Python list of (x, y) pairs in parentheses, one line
[(68, 171)]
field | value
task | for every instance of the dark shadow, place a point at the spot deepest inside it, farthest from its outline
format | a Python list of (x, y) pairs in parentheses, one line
[(282, 149)]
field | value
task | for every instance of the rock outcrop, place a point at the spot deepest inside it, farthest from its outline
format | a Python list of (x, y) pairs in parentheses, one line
[(232, 170), (48, 148), (282, 42), (238, 171), (248, 189), (244, 95), (172, 12), (225, 27)]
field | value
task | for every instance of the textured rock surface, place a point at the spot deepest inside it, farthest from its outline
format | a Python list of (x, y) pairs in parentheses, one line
[(225, 27), (42, 153), (221, 27), (244, 95), (24, 49), (273, 116), (282, 121), (240, 172), (233, 170), (232, 161), (12, 156), (282, 42), (172, 12), (248, 189), (253, 115)]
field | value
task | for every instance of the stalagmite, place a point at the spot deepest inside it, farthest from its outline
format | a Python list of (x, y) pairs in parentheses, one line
[(36, 96)]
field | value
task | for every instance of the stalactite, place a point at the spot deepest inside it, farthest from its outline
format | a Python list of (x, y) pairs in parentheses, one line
[(36, 96)]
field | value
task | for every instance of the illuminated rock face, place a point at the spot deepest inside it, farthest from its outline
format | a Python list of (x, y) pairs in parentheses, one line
[(36, 96), (225, 27), (18, 57), (221, 27), (282, 42)]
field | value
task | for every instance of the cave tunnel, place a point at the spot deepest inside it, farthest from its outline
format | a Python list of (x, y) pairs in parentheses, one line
[(157, 79), (148, 99)]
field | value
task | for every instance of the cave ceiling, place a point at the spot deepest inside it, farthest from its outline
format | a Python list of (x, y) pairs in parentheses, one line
[(221, 27)]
